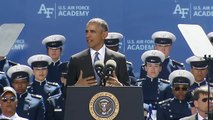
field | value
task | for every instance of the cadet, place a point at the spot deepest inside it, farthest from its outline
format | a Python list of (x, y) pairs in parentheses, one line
[(54, 45), (59, 103), (112, 42), (154, 88), (29, 106), (177, 107), (163, 42), (3, 79), (40, 85), (5, 64), (199, 69)]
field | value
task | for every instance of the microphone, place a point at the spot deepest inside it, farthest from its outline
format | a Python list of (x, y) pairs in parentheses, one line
[(99, 67), (110, 67)]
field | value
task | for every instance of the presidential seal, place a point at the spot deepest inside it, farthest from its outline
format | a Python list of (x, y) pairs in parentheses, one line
[(104, 106)]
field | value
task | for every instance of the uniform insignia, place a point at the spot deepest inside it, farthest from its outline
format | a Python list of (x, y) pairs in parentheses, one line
[(31, 101), (139, 82), (52, 88), (165, 101), (142, 79), (12, 63), (29, 87), (165, 81), (30, 84), (129, 63), (129, 66), (176, 63), (36, 96), (58, 110), (143, 65), (52, 83)]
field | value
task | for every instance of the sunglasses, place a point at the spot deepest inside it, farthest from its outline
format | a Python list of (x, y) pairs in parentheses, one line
[(206, 99), (5, 99), (181, 88)]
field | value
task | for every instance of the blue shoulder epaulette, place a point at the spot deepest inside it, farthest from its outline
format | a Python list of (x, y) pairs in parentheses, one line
[(141, 79), (174, 62), (36, 96), (1, 72), (29, 85), (165, 101), (129, 63), (52, 83), (12, 62), (165, 81)]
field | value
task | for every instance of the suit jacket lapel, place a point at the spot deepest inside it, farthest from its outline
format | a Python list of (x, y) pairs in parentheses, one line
[(88, 68), (108, 55), (89, 60)]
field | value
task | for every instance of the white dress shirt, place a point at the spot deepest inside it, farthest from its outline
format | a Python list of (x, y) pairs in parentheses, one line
[(14, 117)]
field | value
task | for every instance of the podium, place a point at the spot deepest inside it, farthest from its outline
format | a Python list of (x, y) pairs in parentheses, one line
[(104, 103)]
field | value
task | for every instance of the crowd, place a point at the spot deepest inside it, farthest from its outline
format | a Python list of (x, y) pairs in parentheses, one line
[(37, 91)]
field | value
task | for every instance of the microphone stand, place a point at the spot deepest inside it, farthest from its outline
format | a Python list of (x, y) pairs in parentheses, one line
[(102, 79), (209, 60)]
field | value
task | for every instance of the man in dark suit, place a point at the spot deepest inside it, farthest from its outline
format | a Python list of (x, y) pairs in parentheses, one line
[(81, 67), (201, 103)]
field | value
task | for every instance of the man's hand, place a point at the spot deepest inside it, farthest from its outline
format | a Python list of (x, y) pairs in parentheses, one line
[(113, 81), (88, 81)]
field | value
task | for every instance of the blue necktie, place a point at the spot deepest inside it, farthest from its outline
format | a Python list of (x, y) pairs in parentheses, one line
[(96, 58)]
